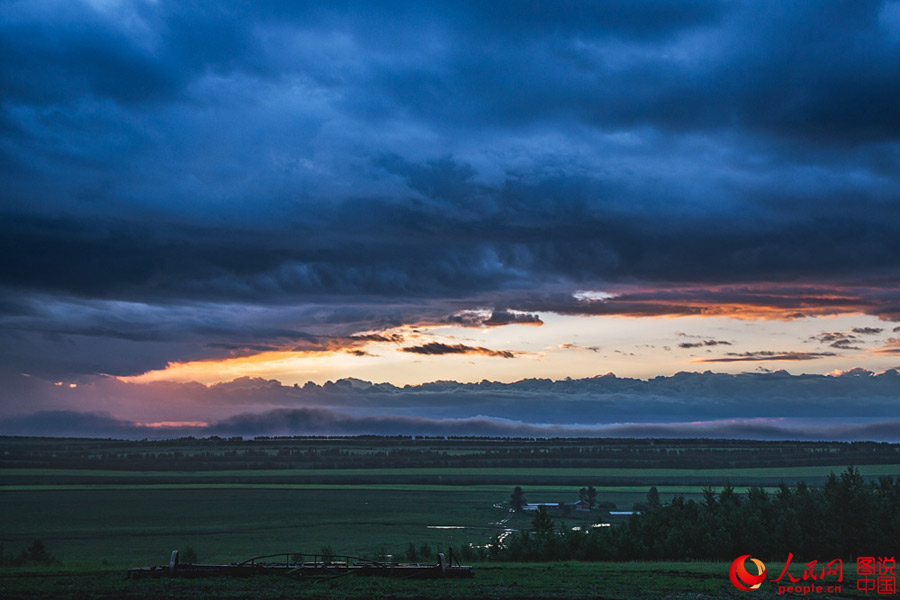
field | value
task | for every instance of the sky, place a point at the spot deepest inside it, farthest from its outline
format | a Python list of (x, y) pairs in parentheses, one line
[(625, 218)]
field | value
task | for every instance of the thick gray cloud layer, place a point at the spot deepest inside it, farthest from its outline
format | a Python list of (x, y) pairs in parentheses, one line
[(182, 180), (308, 421), (684, 397)]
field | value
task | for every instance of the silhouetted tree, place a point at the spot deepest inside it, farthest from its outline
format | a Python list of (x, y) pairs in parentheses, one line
[(425, 551), (845, 517), (411, 554), (542, 522), (589, 495), (327, 552), (517, 499), (36, 553)]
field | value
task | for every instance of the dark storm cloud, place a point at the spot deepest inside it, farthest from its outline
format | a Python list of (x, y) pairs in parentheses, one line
[(828, 337), (867, 330), (497, 318), (579, 347), (845, 345), (394, 338), (397, 164), (843, 340), (704, 344), (505, 317), (437, 348), (151, 55), (767, 355), (360, 353), (159, 49), (243, 348), (65, 338), (846, 340)]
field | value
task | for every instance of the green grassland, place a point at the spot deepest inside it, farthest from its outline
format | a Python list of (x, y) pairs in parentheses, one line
[(373, 452), (101, 520), (610, 581), (93, 527), (131, 527), (615, 481)]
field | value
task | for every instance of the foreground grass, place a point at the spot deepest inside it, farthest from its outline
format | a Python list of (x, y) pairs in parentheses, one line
[(93, 528), (129, 526), (612, 581), (136, 527)]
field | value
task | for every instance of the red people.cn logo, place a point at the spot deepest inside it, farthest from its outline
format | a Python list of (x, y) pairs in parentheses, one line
[(741, 577)]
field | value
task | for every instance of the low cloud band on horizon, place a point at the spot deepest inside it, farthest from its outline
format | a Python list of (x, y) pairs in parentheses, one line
[(321, 421), (534, 405)]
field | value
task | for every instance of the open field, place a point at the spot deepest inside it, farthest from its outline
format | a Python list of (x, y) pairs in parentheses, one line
[(626, 494), (473, 476), (611, 581), (101, 520), (368, 452), (91, 528), (95, 527)]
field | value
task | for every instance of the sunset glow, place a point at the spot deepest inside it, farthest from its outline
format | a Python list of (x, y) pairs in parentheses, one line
[(175, 424)]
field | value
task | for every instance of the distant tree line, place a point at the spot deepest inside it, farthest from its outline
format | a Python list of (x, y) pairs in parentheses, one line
[(845, 518), (35, 554)]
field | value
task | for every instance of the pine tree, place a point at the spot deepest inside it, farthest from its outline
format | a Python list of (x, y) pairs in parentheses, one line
[(517, 499), (542, 522)]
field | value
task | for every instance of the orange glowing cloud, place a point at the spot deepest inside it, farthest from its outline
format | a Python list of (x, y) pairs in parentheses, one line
[(264, 364), (331, 352), (757, 302), (161, 424), (891, 347)]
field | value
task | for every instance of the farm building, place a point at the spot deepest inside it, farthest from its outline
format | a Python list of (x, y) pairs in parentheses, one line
[(577, 505), (537, 505), (580, 505)]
